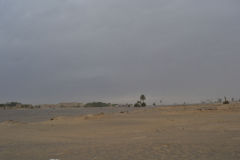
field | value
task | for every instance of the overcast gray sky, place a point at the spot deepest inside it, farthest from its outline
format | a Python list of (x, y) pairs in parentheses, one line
[(114, 50)]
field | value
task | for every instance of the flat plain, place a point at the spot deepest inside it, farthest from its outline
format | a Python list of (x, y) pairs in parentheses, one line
[(199, 132)]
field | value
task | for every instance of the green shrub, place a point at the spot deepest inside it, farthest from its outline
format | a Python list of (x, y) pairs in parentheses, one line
[(97, 104)]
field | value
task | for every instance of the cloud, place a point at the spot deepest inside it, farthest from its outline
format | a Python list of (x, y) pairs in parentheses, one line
[(79, 50)]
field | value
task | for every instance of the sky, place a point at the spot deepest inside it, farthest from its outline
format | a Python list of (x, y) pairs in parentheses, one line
[(115, 50)]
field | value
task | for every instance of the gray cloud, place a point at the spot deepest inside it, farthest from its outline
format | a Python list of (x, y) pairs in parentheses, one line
[(82, 50)]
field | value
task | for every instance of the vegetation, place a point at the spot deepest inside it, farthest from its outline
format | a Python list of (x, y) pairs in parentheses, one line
[(15, 105), (97, 104), (138, 104), (225, 101), (142, 98), (144, 104), (141, 103)]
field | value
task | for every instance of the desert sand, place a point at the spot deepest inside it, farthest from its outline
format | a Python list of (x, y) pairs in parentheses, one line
[(199, 132)]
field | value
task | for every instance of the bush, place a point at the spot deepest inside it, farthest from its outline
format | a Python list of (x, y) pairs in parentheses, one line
[(138, 104), (97, 104), (225, 101)]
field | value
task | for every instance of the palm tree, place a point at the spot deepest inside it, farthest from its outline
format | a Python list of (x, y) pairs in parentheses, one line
[(143, 98)]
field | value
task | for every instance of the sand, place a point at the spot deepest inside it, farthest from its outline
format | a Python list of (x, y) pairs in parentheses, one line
[(200, 132)]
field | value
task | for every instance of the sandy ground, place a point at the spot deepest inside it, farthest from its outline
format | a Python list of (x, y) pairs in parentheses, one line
[(183, 132)]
